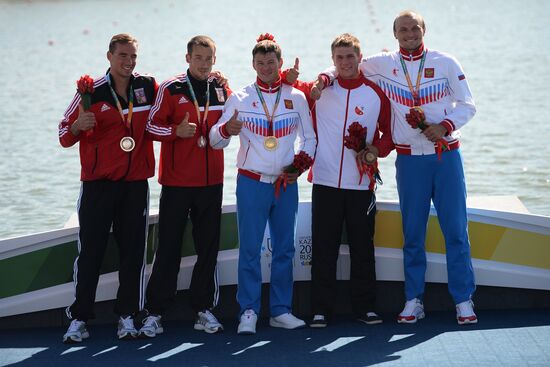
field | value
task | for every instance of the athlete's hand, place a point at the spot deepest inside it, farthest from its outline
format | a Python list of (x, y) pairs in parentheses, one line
[(292, 177), (292, 74), (434, 132), (222, 80), (186, 129), (234, 126), (84, 122), (317, 89)]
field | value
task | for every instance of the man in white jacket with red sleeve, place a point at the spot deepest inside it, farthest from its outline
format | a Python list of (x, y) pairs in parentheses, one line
[(268, 117), (431, 100)]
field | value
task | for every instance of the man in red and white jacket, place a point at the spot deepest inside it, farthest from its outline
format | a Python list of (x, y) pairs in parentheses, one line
[(272, 118), (116, 162), (429, 163), (191, 175), (340, 192)]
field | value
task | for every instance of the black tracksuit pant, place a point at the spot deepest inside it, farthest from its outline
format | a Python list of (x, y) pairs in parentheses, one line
[(124, 205), (331, 207), (203, 206)]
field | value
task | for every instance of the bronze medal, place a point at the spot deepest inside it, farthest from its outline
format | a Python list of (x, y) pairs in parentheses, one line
[(270, 143), (201, 141), (127, 144), (370, 157)]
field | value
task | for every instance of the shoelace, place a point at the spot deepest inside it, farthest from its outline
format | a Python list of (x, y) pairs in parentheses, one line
[(150, 321), (75, 325), (210, 317), (128, 322), (410, 306)]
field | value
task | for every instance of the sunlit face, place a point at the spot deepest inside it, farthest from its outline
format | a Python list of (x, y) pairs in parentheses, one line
[(409, 33), (123, 59), (346, 60), (201, 61), (267, 67)]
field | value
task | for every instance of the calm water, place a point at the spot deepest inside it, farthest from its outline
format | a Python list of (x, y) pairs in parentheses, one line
[(46, 45)]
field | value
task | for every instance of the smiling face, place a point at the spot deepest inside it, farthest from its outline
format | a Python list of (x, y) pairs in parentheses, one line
[(267, 66), (123, 60), (346, 60), (200, 60), (409, 32)]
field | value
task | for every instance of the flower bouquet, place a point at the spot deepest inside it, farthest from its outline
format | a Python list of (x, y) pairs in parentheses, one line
[(85, 87), (301, 163), (355, 140), (417, 119)]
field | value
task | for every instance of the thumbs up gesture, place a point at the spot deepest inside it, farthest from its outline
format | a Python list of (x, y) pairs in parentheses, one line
[(234, 126), (85, 121), (294, 72), (186, 129)]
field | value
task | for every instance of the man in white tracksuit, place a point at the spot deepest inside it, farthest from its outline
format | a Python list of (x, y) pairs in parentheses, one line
[(429, 164), (268, 117)]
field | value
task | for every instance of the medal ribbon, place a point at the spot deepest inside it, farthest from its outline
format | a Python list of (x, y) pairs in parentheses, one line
[(127, 122), (202, 124), (264, 105), (414, 91)]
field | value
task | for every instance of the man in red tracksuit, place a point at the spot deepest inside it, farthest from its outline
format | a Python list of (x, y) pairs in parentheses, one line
[(116, 161), (191, 175)]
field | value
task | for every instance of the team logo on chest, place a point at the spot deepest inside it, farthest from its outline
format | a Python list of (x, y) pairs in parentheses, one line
[(394, 71), (359, 110), (429, 73), (183, 100), (140, 95), (255, 104), (288, 104), (105, 108)]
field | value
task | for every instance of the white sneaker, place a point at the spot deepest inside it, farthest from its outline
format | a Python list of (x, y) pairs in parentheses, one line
[(151, 326), (286, 321), (413, 311), (126, 328), (76, 332), (208, 322), (248, 322), (465, 313)]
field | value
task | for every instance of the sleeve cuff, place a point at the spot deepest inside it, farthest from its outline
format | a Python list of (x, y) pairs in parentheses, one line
[(223, 131), (448, 125)]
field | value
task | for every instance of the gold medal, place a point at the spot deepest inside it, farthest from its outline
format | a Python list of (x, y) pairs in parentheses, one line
[(127, 144), (270, 143), (201, 141), (370, 157)]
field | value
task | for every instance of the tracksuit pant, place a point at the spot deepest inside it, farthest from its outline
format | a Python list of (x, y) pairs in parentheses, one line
[(203, 206), (421, 179), (124, 205), (256, 206), (331, 207)]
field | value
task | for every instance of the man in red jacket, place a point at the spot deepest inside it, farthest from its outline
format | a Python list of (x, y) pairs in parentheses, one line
[(116, 161), (191, 175)]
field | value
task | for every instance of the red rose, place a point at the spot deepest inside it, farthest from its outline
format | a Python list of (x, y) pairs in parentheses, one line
[(266, 36), (355, 140), (85, 87)]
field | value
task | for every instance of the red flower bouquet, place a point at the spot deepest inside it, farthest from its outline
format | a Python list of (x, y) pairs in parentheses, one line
[(85, 87), (355, 140), (301, 163), (265, 36), (417, 119)]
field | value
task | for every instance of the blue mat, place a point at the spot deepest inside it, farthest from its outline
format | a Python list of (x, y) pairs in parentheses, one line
[(501, 338)]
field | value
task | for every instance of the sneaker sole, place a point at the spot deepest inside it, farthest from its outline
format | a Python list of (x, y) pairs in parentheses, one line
[(127, 336), (246, 332), (467, 322), (318, 326), (208, 330), (370, 322), (274, 323), (405, 321), (70, 340)]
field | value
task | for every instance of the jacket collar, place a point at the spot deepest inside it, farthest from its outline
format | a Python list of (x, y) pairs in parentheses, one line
[(269, 89), (351, 83), (415, 55)]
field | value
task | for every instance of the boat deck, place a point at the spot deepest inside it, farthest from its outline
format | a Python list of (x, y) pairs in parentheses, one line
[(501, 338)]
